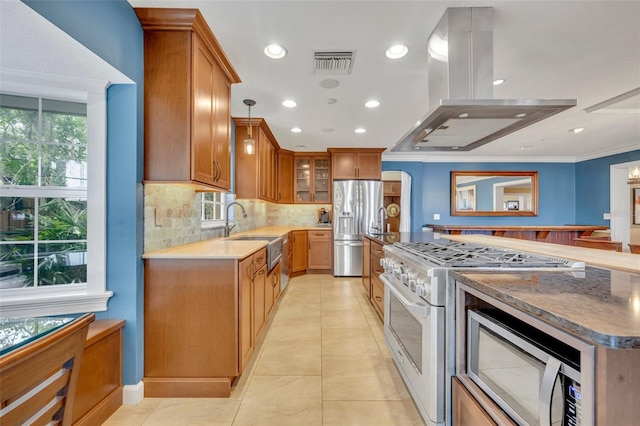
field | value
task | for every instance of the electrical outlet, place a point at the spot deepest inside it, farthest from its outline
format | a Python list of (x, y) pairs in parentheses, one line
[(436, 216), (606, 216)]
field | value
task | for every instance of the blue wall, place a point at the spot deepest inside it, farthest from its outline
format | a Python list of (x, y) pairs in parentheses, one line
[(112, 31), (431, 193), (593, 179)]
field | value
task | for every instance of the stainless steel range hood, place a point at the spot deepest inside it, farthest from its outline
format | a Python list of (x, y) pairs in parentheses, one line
[(463, 114)]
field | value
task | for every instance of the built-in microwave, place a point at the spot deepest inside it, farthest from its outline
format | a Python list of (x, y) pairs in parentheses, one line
[(534, 377)]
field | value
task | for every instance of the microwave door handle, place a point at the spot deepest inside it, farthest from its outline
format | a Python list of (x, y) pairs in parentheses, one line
[(546, 390)]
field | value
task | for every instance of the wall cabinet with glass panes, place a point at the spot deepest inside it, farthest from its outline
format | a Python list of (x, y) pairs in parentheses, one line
[(312, 178)]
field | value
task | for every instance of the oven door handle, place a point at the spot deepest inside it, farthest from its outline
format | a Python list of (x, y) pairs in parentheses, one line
[(546, 389), (417, 309)]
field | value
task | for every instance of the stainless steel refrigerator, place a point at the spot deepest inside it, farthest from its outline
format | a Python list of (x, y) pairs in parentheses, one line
[(355, 207)]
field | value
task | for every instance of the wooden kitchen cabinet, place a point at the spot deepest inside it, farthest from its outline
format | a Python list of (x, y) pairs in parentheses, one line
[(320, 250), (377, 286), (216, 310), (285, 176), (466, 411), (256, 173), (366, 266), (312, 178), (299, 251), (187, 79), (272, 288), (365, 163)]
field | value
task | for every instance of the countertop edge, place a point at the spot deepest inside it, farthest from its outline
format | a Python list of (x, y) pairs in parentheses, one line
[(225, 247)]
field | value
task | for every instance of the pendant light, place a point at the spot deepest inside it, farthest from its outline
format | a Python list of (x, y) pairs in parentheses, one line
[(249, 142)]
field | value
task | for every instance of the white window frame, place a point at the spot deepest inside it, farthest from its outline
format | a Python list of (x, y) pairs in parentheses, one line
[(215, 223), (91, 296)]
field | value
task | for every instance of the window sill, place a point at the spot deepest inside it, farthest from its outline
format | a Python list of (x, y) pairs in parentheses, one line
[(212, 225), (51, 301)]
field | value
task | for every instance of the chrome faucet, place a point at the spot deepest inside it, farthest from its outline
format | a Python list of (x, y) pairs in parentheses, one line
[(228, 227), (381, 218)]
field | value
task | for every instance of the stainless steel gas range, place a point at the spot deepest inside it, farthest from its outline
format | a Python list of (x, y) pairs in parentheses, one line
[(419, 321)]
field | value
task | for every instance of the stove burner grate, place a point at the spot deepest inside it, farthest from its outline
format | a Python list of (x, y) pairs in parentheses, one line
[(469, 255)]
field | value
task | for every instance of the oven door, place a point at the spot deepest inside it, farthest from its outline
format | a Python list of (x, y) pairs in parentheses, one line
[(414, 331)]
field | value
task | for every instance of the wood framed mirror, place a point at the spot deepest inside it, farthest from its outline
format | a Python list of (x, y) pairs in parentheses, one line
[(494, 193)]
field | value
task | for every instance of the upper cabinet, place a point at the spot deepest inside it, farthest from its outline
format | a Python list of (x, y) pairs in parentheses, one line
[(187, 79), (312, 178), (256, 172), (365, 163), (285, 176)]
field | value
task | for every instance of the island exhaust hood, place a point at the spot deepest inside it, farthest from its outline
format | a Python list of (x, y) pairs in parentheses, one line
[(463, 114)]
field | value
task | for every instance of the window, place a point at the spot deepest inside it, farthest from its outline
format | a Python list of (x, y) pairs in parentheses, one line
[(43, 207), (212, 209), (52, 201)]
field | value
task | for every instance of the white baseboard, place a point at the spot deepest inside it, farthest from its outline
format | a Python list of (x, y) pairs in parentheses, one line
[(133, 394)]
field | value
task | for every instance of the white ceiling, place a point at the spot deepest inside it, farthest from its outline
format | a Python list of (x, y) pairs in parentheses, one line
[(588, 50)]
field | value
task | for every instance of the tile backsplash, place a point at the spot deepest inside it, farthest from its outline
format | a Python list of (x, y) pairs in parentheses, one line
[(172, 216)]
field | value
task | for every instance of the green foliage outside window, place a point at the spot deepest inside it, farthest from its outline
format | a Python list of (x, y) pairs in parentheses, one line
[(43, 146)]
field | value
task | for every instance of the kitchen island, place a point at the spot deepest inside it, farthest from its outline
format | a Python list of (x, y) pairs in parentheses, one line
[(600, 307)]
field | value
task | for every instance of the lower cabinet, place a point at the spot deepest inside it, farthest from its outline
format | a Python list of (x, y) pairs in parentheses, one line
[(366, 266), (465, 409), (272, 288), (320, 250), (201, 321), (299, 251), (377, 287)]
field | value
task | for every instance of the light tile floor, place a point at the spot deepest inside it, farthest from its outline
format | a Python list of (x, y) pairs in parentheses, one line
[(321, 361)]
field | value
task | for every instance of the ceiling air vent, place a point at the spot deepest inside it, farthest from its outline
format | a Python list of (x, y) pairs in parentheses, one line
[(333, 63)]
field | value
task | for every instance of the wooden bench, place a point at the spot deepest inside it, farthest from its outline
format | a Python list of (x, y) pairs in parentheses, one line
[(99, 390), (597, 243)]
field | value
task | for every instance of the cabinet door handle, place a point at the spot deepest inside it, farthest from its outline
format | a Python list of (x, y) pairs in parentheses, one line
[(261, 272), (260, 259), (276, 280), (378, 298), (219, 170)]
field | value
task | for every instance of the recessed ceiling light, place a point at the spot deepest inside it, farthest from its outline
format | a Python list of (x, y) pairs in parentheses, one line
[(329, 83), (577, 130), (360, 130), (397, 51), (464, 115), (289, 103), (301, 146), (331, 101), (328, 129), (525, 146), (521, 115), (498, 81), (296, 130), (275, 51), (372, 104)]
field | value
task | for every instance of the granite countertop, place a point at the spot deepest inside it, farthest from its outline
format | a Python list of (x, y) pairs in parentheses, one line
[(226, 248), (602, 307)]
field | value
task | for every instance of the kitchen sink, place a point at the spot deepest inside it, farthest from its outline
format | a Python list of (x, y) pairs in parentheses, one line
[(274, 248)]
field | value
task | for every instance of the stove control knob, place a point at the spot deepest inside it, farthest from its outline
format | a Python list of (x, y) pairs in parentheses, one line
[(404, 278), (396, 272), (422, 288), (412, 284)]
